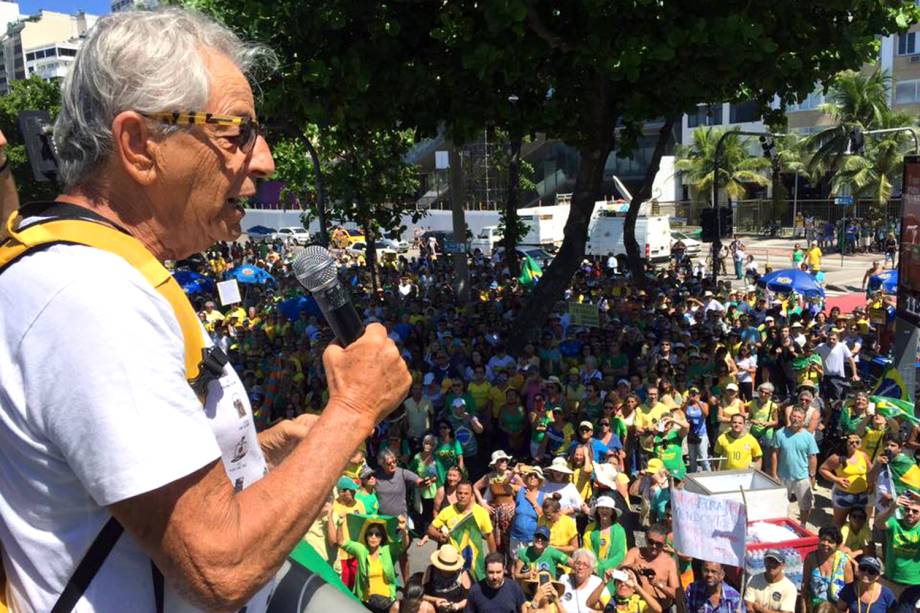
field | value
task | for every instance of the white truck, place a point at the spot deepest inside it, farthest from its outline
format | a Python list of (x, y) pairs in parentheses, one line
[(545, 227), (605, 236)]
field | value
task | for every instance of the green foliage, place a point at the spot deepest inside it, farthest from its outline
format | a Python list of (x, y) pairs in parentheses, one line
[(737, 167), (32, 94), (857, 100)]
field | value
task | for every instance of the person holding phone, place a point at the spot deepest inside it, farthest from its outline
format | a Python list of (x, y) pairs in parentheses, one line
[(902, 547), (621, 592)]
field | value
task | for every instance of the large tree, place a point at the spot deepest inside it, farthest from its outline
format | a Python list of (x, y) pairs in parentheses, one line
[(32, 94), (588, 72)]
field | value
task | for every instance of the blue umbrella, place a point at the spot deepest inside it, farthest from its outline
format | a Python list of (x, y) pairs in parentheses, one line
[(193, 282), (247, 273), (792, 280), (886, 281), (292, 307)]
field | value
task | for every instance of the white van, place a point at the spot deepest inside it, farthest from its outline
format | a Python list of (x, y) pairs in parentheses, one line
[(545, 227), (653, 234)]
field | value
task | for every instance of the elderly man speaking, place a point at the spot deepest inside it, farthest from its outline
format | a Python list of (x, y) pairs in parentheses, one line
[(99, 428)]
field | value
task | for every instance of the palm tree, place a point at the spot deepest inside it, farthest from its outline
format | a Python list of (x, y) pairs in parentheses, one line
[(854, 100), (737, 167)]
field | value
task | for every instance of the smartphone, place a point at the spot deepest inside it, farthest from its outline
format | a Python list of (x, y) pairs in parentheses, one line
[(620, 575), (544, 577)]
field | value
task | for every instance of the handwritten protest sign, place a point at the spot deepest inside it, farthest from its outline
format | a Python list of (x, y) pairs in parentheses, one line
[(584, 315), (709, 528)]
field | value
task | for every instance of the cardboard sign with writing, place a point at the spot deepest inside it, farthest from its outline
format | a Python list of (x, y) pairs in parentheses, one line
[(584, 315), (229, 292), (709, 528)]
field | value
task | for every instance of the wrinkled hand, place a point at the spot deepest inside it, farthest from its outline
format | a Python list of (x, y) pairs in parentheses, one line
[(369, 376), (279, 440)]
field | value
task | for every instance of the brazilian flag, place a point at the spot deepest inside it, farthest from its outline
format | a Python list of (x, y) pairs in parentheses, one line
[(891, 385), (468, 540), (530, 272), (893, 408), (905, 474), (358, 524)]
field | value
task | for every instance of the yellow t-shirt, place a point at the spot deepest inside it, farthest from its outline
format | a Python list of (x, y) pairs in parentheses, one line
[(730, 409), (739, 452), (854, 541), (648, 417), (582, 481), (481, 393), (339, 511), (450, 517), (633, 604), (814, 258), (375, 575), (562, 532), (497, 395)]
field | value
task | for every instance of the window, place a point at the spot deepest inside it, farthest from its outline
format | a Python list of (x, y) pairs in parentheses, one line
[(30, 57), (67, 52), (813, 101), (706, 115), (905, 92), (907, 43), (744, 112)]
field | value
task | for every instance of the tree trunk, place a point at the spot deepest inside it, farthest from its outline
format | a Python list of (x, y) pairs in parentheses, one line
[(511, 206), (633, 256), (320, 193), (370, 253), (457, 201), (556, 278)]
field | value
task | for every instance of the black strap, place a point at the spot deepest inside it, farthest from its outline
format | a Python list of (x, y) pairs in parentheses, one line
[(157, 587), (88, 566), (63, 210)]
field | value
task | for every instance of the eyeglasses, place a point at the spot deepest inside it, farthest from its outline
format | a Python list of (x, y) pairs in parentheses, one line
[(375, 534), (868, 570), (653, 543), (245, 139)]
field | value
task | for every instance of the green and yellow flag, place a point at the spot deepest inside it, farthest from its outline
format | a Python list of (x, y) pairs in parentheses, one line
[(905, 474), (895, 408), (358, 524), (891, 385), (530, 272), (468, 540)]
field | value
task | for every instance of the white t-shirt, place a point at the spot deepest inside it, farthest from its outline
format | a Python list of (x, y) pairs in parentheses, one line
[(835, 358), (576, 601), (570, 497), (779, 596), (95, 409)]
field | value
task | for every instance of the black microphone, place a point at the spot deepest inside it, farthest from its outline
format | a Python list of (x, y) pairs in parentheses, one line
[(316, 270)]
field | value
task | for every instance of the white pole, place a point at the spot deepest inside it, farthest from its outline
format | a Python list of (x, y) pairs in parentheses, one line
[(795, 206)]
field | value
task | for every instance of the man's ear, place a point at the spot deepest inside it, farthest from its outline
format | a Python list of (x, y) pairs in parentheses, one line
[(135, 149)]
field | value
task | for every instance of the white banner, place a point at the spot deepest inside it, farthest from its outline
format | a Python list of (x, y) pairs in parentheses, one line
[(229, 292), (709, 528)]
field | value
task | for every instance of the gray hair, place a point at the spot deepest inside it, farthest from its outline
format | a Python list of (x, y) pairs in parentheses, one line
[(147, 61), (384, 455), (587, 556)]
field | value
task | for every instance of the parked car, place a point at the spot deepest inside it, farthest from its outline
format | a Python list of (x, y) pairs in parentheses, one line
[(358, 249), (692, 245), (260, 233), (542, 256), (399, 246), (344, 237), (440, 236), (294, 235)]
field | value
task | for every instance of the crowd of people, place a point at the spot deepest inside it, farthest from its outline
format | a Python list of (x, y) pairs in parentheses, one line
[(564, 452)]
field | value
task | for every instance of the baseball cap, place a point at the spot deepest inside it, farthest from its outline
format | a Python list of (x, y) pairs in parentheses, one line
[(586, 424), (346, 483), (871, 563), (732, 387), (366, 472), (542, 531), (654, 466), (776, 554)]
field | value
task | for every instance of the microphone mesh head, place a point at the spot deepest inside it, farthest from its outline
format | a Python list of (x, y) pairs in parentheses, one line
[(314, 267)]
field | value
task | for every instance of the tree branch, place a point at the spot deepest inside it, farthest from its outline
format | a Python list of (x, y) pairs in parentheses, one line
[(539, 28)]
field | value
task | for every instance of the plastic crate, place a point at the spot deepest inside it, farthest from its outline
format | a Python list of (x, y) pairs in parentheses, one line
[(795, 550)]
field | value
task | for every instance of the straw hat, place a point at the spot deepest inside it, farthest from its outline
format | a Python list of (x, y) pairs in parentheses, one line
[(447, 558), (559, 465)]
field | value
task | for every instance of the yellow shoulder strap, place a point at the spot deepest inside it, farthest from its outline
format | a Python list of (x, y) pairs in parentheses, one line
[(100, 236)]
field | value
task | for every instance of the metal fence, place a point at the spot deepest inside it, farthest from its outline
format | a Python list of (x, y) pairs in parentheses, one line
[(756, 216)]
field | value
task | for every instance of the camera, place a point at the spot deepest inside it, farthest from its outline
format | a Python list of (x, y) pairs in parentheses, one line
[(648, 573)]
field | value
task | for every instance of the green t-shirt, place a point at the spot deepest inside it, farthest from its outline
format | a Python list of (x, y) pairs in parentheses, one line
[(668, 448), (537, 435), (512, 421), (369, 500), (548, 560), (593, 410), (619, 428), (448, 454), (902, 558), (423, 470)]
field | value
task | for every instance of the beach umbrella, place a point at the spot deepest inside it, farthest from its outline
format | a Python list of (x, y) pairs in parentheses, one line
[(792, 280), (247, 273), (886, 281), (193, 282)]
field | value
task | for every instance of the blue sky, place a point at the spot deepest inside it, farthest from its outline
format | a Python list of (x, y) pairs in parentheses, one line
[(94, 7)]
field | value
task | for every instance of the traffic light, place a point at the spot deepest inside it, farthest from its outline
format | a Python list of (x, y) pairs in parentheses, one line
[(708, 223), (725, 221), (715, 224)]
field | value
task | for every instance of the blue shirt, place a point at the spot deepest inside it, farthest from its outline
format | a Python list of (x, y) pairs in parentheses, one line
[(599, 448), (794, 450), (883, 603), (698, 600), (697, 420), (525, 516)]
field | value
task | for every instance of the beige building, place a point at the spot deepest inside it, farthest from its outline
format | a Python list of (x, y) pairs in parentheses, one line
[(44, 44)]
